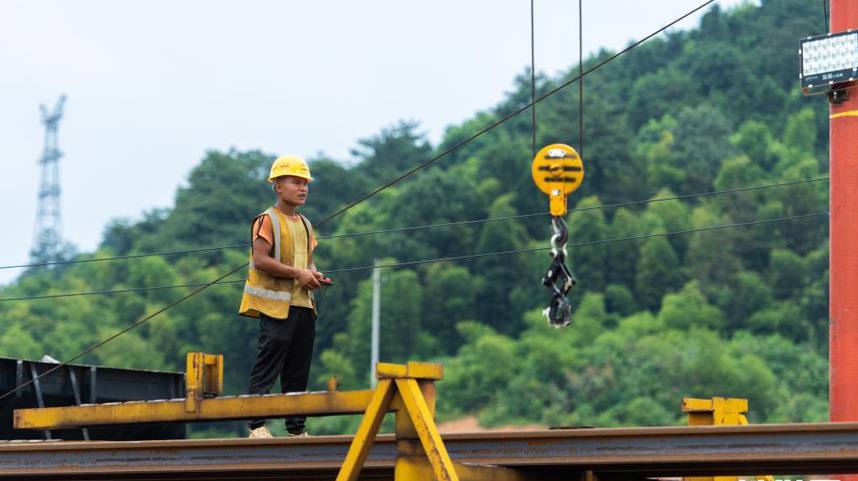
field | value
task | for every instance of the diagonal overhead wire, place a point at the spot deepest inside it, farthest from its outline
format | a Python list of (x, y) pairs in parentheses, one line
[(123, 331), (414, 170), (426, 261), (385, 186), (509, 116), (589, 243), (437, 225)]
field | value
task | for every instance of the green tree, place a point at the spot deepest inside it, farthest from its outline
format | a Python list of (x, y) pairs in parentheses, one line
[(688, 309), (788, 272), (702, 144), (494, 306), (621, 257), (658, 272), (755, 140), (710, 258), (749, 294), (588, 262), (450, 296)]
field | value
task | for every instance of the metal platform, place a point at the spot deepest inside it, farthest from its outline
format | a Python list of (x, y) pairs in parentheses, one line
[(77, 384), (824, 448)]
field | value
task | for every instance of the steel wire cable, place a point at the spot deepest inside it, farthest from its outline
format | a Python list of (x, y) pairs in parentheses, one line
[(509, 116), (122, 331), (533, 125), (424, 164), (220, 281), (532, 82), (410, 172), (433, 226), (589, 243), (581, 77)]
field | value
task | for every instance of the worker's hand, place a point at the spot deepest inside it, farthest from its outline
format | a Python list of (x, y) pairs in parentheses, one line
[(308, 279), (325, 281)]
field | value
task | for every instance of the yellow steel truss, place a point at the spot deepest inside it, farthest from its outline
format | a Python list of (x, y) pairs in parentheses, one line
[(718, 411), (408, 390)]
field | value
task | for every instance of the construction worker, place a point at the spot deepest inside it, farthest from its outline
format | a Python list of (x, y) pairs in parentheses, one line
[(279, 290)]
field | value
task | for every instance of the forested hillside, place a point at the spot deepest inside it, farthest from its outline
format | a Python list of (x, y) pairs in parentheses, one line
[(734, 312)]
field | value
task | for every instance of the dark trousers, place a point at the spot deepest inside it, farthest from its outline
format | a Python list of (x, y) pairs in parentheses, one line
[(285, 351)]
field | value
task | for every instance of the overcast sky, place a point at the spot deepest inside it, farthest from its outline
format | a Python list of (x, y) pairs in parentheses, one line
[(153, 84)]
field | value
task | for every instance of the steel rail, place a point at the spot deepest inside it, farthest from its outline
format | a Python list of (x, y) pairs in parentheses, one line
[(822, 448)]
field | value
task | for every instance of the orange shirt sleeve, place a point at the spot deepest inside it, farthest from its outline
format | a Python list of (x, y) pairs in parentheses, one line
[(262, 228)]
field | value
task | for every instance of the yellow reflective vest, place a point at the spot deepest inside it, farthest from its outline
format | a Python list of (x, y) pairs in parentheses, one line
[(269, 295)]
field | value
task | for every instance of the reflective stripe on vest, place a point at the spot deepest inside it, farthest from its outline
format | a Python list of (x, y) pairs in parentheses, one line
[(268, 293)]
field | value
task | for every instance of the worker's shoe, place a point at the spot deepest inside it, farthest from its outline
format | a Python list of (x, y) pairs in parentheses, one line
[(261, 432), (302, 434)]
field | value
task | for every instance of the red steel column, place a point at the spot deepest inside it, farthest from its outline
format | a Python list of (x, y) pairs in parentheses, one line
[(843, 295)]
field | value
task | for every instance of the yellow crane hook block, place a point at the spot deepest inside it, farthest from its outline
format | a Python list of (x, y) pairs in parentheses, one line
[(557, 170)]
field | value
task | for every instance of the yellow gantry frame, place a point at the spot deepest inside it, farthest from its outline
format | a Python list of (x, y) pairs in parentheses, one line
[(408, 390), (203, 378), (718, 411)]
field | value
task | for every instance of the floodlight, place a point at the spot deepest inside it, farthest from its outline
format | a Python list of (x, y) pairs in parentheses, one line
[(828, 62)]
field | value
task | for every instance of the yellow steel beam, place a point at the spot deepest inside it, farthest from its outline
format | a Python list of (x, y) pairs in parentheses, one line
[(223, 408), (737, 405), (717, 411), (415, 370), (427, 431), (203, 378), (367, 431)]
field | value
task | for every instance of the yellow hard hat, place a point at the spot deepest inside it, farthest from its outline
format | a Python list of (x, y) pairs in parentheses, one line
[(289, 165)]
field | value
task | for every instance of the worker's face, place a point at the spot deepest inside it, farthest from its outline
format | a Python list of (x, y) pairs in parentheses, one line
[(292, 190)]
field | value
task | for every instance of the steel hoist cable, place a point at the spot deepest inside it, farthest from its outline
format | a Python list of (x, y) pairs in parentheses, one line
[(553, 169), (532, 81), (385, 186), (514, 113), (403, 176)]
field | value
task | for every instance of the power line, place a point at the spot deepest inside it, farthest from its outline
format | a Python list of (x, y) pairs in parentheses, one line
[(583, 209), (437, 225), (425, 261), (121, 332), (107, 292), (587, 243), (509, 116), (220, 280), (126, 257), (398, 179), (825, 15), (401, 177)]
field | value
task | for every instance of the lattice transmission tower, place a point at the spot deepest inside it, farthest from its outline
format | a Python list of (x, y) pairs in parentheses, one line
[(47, 239)]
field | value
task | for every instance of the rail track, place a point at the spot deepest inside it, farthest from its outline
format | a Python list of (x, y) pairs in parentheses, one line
[(823, 448)]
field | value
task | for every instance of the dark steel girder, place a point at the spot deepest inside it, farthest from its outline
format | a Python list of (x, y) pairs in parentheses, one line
[(823, 448)]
